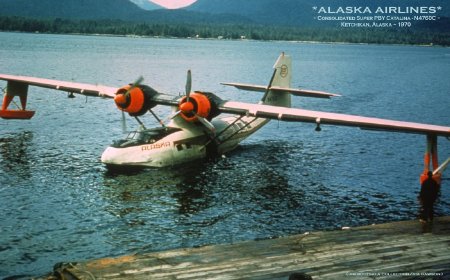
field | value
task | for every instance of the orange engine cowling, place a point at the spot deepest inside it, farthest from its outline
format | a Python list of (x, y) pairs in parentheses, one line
[(135, 100), (198, 105)]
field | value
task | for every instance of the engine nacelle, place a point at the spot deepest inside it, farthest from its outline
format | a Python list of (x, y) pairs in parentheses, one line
[(136, 100), (198, 105)]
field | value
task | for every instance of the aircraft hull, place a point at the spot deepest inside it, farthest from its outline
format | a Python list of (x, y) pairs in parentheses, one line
[(189, 144)]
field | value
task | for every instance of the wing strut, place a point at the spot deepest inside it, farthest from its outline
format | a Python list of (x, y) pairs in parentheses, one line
[(239, 130), (157, 118), (266, 93), (215, 139)]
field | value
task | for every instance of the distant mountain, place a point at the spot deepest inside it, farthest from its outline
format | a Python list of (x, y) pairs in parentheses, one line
[(72, 9), (110, 9), (280, 12), (147, 5), (260, 12)]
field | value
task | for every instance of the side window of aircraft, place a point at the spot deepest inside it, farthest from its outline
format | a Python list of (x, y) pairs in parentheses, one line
[(144, 136), (181, 147)]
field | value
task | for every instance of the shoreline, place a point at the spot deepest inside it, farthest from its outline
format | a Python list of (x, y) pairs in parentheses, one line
[(227, 39)]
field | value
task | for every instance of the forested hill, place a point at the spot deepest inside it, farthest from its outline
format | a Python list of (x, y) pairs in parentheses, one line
[(71, 9), (124, 10)]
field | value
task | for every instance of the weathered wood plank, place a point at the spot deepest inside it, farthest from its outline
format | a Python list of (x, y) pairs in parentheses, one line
[(369, 252)]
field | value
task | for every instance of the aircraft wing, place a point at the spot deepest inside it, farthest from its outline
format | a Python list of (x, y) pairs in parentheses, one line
[(85, 89), (293, 91), (256, 110), (300, 115)]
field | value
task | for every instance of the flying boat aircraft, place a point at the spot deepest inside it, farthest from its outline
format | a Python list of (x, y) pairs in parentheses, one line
[(203, 124)]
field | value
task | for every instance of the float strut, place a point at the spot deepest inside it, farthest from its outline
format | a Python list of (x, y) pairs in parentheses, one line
[(431, 157)]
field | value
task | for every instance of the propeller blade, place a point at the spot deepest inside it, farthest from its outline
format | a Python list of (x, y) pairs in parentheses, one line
[(188, 84), (207, 124), (135, 84), (176, 114), (124, 123), (171, 117), (138, 81)]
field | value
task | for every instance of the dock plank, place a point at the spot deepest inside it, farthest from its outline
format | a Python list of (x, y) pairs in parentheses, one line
[(404, 249)]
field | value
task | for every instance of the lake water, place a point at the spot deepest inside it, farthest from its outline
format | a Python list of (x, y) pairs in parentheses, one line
[(59, 203)]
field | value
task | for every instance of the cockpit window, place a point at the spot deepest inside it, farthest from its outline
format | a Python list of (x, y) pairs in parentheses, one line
[(144, 136)]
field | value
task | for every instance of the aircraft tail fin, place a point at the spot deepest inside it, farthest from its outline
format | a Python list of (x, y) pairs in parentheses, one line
[(281, 78), (278, 92)]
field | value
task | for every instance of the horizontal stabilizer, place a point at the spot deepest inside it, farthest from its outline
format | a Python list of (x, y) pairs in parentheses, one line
[(293, 91)]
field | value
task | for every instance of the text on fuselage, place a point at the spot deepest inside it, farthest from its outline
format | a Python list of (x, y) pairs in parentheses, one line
[(155, 146)]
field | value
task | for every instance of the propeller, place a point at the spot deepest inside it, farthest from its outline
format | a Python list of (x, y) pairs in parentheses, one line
[(190, 105), (122, 99), (135, 84), (186, 107), (136, 100)]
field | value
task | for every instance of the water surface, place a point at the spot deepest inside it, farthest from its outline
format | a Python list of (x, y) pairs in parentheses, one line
[(59, 203)]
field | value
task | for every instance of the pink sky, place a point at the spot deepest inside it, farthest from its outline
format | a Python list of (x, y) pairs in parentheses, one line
[(173, 4)]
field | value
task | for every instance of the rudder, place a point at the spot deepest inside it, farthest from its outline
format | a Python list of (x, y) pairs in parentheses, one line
[(281, 78)]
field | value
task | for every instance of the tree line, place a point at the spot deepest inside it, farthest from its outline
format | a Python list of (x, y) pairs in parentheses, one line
[(227, 31)]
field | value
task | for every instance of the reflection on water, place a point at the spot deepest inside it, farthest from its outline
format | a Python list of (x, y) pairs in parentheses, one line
[(250, 194), (14, 154), (192, 198)]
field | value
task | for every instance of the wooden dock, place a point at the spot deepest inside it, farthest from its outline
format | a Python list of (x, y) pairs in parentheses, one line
[(398, 250)]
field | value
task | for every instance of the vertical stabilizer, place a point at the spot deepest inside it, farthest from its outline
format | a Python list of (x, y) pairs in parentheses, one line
[(281, 78)]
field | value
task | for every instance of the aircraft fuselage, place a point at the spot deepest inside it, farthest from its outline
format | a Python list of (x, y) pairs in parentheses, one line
[(179, 142)]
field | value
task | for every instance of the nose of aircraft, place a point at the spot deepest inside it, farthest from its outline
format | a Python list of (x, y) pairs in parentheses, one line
[(123, 156), (131, 156)]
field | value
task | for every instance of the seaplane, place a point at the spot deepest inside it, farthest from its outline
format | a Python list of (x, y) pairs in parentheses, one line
[(202, 123)]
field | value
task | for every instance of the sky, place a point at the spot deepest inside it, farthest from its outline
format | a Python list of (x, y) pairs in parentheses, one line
[(173, 4)]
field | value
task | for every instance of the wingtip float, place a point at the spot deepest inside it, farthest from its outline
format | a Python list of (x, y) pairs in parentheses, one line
[(20, 90), (16, 114), (198, 126)]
